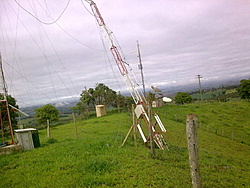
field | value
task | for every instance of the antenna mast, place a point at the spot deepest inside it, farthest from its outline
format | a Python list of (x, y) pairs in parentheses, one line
[(140, 67)]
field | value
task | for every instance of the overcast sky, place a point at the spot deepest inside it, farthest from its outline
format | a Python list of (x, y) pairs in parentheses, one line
[(178, 40)]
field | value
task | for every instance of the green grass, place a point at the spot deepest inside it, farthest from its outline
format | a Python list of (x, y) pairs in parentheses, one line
[(218, 95), (96, 158), (207, 95)]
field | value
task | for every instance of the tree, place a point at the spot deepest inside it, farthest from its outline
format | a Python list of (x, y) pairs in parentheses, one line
[(13, 113), (101, 94), (244, 89), (46, 112), (123, 101), (181, 98), (104, 95)]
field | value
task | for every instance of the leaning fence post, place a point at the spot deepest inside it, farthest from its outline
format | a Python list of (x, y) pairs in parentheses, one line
[(192, 140)]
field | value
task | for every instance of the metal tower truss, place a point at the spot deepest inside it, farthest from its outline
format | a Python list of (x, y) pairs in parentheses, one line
[(130, 81), (5, 121)]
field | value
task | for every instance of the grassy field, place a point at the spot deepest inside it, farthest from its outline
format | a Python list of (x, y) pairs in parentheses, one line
[(225, 94), (96, 158)]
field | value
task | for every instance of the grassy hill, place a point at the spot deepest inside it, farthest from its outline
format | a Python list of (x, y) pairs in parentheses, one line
[(220, 94), (96, 158)]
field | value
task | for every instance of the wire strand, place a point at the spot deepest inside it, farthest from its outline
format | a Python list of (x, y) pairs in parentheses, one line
[(44, 55), (77, 39), (40, 28), (15, 51), (87, 9), (46, 23), (26, 79)]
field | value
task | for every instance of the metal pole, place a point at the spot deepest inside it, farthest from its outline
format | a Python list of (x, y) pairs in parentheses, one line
[(140, 67), (3, 85)]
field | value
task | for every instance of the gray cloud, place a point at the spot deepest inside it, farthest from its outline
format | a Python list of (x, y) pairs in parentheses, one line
[(178, 40)]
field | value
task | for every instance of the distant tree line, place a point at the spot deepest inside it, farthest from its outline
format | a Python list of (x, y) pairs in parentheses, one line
[(222, 94), (102, 94)]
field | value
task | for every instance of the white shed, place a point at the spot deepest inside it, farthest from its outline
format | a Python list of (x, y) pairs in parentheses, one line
[(24, 138)]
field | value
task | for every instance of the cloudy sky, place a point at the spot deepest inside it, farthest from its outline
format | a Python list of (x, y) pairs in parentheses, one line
[(52, 49)]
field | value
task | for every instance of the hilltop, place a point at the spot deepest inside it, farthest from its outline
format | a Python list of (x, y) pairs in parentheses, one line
[(96, 158)]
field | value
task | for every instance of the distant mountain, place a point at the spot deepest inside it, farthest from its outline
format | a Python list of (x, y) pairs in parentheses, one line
[(64, 105), (205, 84)]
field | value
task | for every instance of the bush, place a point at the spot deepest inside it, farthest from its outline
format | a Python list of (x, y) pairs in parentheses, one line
[(182, 98)]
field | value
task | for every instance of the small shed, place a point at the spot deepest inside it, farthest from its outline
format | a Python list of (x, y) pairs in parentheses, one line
[(27, 138), (100, 110), (157, 103)]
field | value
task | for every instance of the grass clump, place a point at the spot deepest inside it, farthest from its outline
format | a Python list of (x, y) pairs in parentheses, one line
[(52, 141)]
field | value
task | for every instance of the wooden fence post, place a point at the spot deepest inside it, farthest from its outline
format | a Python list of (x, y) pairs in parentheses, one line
[(152, 144), (133, 127), (74, 119), (48, 129), (134, 124), (192, 140)]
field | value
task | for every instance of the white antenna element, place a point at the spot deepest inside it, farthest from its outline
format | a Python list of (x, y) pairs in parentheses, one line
[(160, 123), (141, 132)]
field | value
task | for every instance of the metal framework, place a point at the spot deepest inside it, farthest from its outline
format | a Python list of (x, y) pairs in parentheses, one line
[(5, 121), (138, 98)]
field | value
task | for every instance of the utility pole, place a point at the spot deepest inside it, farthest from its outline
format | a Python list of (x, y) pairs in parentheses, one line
[(140, 67), (199, 79)]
